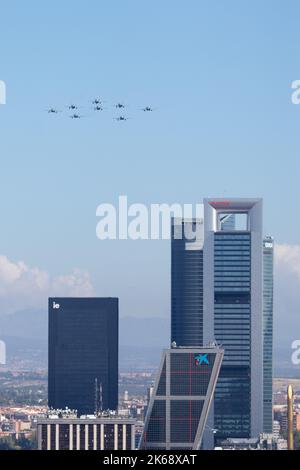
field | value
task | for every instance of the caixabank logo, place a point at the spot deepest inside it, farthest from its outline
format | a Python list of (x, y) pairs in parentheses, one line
[(2, 92), (201, 359)]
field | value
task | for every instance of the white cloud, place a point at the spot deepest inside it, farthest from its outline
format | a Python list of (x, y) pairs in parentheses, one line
[(287, 291), (287, 258), (23, 287)]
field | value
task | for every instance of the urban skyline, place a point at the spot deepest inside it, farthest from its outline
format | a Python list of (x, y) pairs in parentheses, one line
[(236, 261), (258, 126), (149, 166)]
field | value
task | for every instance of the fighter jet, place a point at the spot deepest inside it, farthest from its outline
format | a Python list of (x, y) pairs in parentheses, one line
[(121, 118), (53, 111), (147, 109), (98, 108), (97, 101), (72, 107), (76, 116)]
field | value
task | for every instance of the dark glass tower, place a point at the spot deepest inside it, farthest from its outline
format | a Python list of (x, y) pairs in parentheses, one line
[(187, 279), (232, 284), (83, 354), (187, 282)]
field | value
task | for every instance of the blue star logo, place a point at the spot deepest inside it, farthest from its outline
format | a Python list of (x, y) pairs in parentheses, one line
[(201, 359)]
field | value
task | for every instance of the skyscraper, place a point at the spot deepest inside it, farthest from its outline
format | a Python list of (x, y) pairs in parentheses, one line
[(182, 396), (268, 249), (187, 282), (187, 278), (233, 304), (83, 354), (222, 290), (290, 409)]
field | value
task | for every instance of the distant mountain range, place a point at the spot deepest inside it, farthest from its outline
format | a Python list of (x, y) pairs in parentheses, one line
[(142, 338), (26, 332), (33, 324)]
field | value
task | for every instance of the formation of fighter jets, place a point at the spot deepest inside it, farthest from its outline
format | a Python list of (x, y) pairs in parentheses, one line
[(97, 107)]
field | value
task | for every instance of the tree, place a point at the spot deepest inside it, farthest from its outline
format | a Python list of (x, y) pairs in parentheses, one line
[(23, 443), (8, 443), (297, 440)]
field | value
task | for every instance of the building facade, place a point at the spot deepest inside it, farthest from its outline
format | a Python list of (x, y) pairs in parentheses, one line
[(268, 256), (181, 399), (222, 290), (233, 304), (187, 282), (83, 354), (86, 433)]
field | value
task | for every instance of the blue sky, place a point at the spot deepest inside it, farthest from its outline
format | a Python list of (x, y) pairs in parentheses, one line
[(219, 74)]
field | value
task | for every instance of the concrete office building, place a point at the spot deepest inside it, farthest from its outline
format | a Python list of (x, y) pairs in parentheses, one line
[(83, 354), (181, 399), (87, 433)]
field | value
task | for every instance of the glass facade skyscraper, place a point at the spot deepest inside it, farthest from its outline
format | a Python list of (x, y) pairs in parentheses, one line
[(268, 254), (83, 354), (232, 314), (183, 392), (232, 275), (232, 325), (187, 282)]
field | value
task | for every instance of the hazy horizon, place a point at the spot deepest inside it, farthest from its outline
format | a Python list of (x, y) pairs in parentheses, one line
[(223, 124)]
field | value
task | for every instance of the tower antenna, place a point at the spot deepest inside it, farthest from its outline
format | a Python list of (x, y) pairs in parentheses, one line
[(101, 397), (96, 396)]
